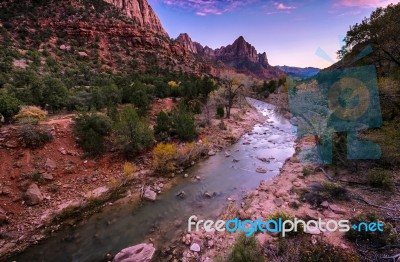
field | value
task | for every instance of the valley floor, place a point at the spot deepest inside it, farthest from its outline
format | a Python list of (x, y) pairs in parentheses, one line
[(71, 186)]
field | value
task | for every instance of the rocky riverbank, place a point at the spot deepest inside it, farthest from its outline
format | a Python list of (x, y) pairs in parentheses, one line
[(46, 189), (304, 191)]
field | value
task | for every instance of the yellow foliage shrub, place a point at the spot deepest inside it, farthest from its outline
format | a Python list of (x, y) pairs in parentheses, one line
[(129, 169), (31, 114), (164, 158), (172, 84)]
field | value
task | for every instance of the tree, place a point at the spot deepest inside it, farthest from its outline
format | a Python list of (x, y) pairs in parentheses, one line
[(232, 86), (184, 125), (134, 133), (55, 94), (91, 130), (381, 30), (9, 106), (162, 128)]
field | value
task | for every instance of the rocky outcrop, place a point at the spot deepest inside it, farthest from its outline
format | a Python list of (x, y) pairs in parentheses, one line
[(138, 253), (141, 12), (189, 45)]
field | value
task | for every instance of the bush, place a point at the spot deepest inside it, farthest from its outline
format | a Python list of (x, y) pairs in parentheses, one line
[(376, 239), (300, 249), (55, 93), (380, 178), (222, 125), (280, 214), (91, 130), (322, 251), (246, 249), (306, 171), (184, 125), (129, 169), (9, 106), (34, 137), (190, 152), (220, 111), (162, 129), (30, 114), (134, 134), (334, 191), (164, 157)]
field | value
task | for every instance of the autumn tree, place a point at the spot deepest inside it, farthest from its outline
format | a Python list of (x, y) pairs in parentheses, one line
[(232, 88), (381, 30)]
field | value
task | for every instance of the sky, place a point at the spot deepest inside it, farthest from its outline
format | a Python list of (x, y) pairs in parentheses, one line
[(289, 31)]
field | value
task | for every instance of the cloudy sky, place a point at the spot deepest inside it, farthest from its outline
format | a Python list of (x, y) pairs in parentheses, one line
[(289, 31)]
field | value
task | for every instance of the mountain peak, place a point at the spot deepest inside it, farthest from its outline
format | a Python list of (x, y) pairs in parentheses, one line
[(141, 12), (187, 42), (240, 38)]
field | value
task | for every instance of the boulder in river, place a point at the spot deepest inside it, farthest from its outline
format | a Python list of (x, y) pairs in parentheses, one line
[(150, 195), (181, 194), (261, 170), (138, 253)]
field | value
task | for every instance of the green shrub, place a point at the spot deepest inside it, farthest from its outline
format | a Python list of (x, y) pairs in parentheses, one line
[(91, 130), (162, 129), (376, 239), (55, 93), (220, 111), (280, 214), (300, 249), (380, 178), (222, 125), (184, 125), (9, 106), (134, 133), (334, 191), (306, 171), (246, 249), (34, 137)]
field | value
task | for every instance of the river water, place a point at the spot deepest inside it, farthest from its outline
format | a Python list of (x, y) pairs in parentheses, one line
[(123, 225)]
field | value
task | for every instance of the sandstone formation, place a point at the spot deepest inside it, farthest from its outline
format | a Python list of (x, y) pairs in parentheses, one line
[(142, 13)]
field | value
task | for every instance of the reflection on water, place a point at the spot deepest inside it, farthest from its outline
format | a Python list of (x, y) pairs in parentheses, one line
[(123, 225)]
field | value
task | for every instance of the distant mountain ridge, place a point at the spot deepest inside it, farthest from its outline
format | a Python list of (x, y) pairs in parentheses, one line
[(240, 55), (299, 72)]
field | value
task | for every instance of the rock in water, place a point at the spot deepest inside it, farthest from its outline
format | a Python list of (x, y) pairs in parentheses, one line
[(138, 253), (261, 170), (181, 194), (33, 196), (150, 195)]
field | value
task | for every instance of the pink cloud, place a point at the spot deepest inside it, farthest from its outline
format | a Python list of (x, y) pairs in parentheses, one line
[(208, 7), (365, 3), (282, 6)]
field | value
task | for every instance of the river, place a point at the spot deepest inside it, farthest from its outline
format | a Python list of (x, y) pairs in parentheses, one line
[(122, 225)]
